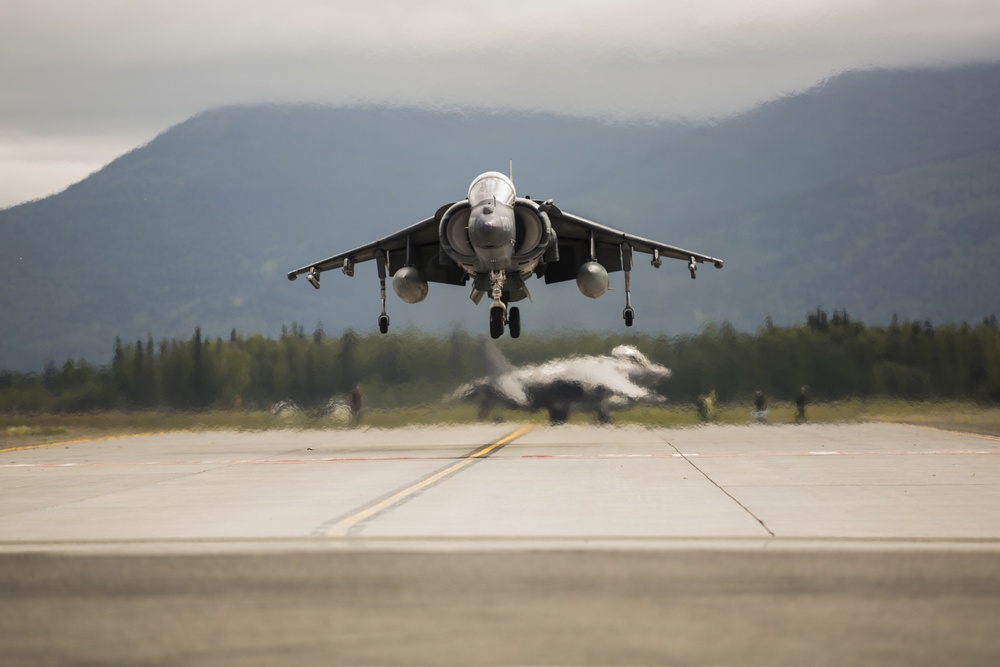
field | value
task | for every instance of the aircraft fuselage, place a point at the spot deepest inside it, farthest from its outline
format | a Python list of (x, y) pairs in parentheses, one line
[(498, 239), (492, 234)]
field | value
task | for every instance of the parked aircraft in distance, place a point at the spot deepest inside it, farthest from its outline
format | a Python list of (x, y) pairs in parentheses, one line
[(600, 383), (497, 240)]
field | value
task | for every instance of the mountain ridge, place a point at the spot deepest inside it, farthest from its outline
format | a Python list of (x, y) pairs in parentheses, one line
[(198, 226)]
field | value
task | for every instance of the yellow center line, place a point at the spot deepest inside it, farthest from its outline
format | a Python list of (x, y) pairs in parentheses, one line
[(485, 451), (344, 526)]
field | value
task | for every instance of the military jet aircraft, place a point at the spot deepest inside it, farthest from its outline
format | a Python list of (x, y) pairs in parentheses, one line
[(599, 383), (497, 240)]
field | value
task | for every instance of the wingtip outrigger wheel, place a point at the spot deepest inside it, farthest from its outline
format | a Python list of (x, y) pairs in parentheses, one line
[(629, 313), (313, 277), (693, 268)]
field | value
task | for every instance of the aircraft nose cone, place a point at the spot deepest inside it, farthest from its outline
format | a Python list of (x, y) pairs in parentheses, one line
[(489, 231), (662, 372), (491, 227)]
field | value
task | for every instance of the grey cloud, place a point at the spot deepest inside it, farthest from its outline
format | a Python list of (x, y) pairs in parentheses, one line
[(133, 69)]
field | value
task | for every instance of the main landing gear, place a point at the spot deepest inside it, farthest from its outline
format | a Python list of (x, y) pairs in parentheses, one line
[(497, 317), (500, 315)]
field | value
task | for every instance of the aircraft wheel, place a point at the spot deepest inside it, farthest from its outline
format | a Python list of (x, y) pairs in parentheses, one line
[(604, 416), (629, 315), (514, 322), (558, 414), (496, 322), (383, 323)]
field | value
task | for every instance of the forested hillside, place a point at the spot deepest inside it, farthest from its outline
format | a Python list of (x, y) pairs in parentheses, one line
[(836, 356), (878, 192)]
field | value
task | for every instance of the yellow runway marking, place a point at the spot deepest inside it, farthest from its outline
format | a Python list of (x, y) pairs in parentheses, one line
[(343, 527), (527, 428)]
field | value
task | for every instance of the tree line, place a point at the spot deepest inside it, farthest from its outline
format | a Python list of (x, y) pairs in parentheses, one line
[(835, 356)]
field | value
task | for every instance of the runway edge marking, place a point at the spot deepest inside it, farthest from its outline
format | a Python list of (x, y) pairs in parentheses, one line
[(953, 431), (80, 441), (342, 527)]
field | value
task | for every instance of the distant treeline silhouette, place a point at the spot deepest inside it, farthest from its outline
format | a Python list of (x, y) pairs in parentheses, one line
[(837, 357)]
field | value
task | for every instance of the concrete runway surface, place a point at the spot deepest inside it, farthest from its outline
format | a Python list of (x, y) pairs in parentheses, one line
[(494, 544)]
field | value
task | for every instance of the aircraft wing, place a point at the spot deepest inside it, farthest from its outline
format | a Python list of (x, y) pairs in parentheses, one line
[(595, 376), (417, 244), (575, 235)]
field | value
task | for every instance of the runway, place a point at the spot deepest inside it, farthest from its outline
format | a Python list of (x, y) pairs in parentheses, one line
[(497, 544)]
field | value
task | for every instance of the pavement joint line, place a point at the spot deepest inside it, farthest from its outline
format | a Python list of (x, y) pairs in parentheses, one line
[(343, 527), (688, 459)]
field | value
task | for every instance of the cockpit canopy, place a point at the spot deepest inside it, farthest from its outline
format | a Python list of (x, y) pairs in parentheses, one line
[(629, 353), (491, 185)]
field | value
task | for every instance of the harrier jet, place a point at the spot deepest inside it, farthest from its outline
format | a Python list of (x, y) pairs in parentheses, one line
[(599, 383), (496, 240)]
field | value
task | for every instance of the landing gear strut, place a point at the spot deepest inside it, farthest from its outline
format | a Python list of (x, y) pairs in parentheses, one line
[(382, 260)]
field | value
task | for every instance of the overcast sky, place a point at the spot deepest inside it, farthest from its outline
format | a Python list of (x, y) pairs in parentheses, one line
[(82, 82)]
